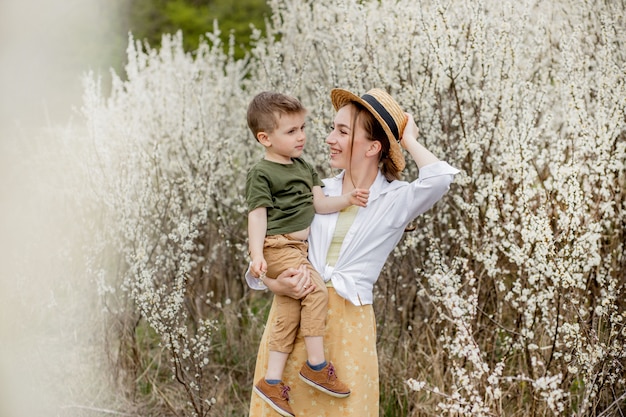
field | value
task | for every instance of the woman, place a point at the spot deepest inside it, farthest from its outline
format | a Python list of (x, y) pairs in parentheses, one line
[(350, 248)]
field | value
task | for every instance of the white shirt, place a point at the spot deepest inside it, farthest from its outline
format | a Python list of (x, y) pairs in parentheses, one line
[(376, 230)]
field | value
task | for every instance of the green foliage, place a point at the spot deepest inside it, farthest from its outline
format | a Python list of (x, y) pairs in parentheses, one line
[(148, 20)]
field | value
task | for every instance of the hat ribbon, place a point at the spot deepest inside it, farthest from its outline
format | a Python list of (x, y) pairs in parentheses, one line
[(371, 100)]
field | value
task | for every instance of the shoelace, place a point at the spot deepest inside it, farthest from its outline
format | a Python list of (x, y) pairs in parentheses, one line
[(284, 391), (331, 372)]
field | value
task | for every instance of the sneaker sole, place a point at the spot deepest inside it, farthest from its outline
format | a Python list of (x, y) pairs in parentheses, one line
[(271, 404), (324, 390)]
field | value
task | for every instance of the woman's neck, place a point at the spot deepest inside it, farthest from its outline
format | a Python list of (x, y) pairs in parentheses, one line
[(355, 178)]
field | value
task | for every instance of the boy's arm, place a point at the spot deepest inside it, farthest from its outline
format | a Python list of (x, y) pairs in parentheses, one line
[(325, 205), (257, 228)]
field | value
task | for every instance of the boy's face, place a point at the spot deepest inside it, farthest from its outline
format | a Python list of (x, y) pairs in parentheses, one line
[(287, 140)]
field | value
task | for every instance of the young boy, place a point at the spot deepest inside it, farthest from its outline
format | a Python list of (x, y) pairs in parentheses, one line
[(283, 193)]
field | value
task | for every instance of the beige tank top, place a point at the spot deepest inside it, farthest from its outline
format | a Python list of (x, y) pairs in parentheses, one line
[(344, 221)]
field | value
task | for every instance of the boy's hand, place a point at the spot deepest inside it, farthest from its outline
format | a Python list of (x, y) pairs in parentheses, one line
[(359, 197), (258, 267)]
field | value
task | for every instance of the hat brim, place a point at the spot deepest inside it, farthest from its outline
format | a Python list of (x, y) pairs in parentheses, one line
[(340, 97)]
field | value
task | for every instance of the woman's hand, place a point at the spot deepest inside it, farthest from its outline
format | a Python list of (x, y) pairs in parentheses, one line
[(420, 154), (411, 132), (294, 283)]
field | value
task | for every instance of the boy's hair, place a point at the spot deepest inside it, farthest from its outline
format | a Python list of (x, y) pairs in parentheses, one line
[(266, 106)]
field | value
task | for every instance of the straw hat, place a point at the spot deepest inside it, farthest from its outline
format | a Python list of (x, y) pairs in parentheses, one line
[(386, 110)]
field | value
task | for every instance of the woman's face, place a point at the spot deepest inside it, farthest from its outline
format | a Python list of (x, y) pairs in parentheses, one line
[(340, 138)]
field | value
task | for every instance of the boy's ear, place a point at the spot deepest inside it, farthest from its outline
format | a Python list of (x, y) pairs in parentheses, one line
[(263, 138)]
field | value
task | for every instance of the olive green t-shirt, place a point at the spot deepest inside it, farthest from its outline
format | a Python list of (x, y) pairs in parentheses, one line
[(286, 190)]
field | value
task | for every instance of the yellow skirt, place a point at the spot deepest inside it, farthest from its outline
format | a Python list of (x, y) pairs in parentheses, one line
[(350, 344)]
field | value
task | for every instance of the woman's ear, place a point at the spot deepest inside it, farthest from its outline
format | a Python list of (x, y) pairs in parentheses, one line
[(374, 148)]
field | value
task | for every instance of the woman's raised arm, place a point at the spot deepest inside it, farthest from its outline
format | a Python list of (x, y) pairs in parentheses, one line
[(420, 154)]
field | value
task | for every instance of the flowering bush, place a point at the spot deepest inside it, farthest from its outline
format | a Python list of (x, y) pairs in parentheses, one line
[(167, 146), (508, 299)]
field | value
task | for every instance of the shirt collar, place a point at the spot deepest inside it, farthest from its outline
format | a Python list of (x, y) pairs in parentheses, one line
[(380, 185)]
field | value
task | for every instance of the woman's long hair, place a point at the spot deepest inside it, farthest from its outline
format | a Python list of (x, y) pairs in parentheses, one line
[(374, 132)]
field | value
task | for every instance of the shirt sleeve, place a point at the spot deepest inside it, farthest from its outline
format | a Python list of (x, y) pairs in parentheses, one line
[(436, 169), (253, 282), (258, 190), (314, 175), (316, 179), (432, 184)]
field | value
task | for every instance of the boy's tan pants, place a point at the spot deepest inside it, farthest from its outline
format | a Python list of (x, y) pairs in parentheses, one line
[(309, 313)]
